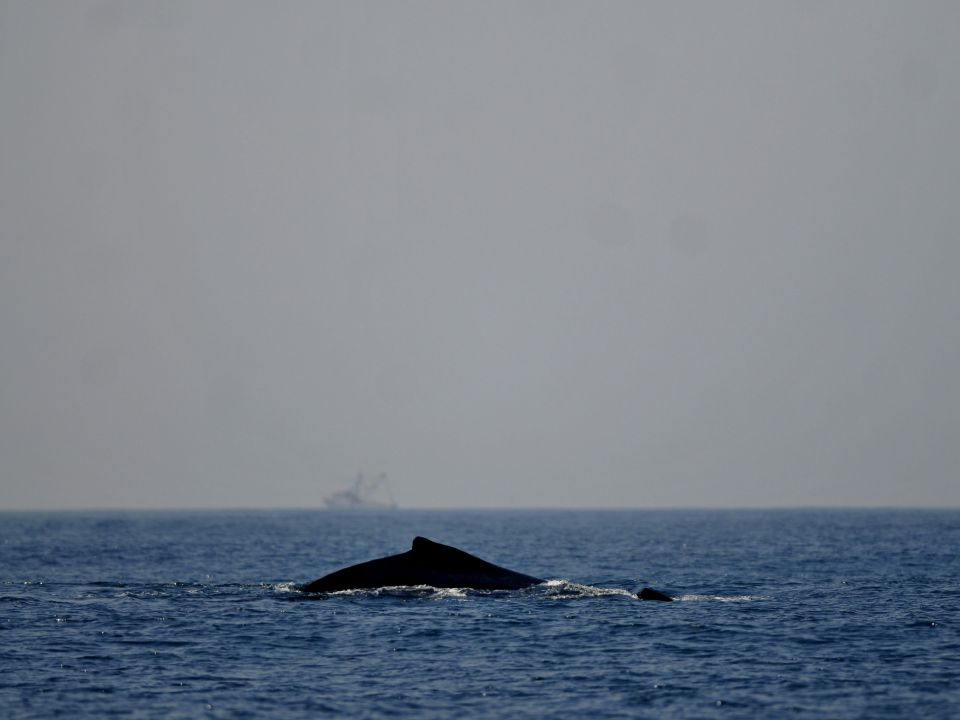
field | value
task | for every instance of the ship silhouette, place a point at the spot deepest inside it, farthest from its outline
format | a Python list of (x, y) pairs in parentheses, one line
[(366, 493)]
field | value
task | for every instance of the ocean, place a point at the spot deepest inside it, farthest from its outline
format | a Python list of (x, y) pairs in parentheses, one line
[(793, 613)]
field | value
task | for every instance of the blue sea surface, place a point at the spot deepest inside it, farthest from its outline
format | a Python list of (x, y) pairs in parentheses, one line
[(835, 614)]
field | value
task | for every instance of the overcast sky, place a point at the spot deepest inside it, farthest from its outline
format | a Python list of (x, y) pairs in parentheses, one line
[(512, 254)]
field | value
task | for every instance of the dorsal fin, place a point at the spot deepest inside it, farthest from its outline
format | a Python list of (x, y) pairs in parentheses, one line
[(422, 544), (438, 552)]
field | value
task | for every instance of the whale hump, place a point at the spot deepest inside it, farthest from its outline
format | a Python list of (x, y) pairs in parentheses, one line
[(651, 594), (425, 563), (437, 565)]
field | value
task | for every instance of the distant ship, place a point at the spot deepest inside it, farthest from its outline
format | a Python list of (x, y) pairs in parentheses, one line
[(365, 494)]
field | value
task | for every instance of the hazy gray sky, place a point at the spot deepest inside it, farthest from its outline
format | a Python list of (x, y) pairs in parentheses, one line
[(513, 254)]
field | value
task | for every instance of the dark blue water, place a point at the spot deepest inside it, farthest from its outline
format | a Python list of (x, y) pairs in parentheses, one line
[(788, 613)]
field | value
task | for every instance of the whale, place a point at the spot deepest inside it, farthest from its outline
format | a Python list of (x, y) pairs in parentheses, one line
[(425, 563), (651, 594), (437, 565)]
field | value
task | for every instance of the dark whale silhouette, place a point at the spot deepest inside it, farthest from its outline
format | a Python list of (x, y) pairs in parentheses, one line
[(651, 594), (425, 563), (440, 566)]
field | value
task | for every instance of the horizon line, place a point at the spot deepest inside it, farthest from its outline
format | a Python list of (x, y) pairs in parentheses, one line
[(468, 508)]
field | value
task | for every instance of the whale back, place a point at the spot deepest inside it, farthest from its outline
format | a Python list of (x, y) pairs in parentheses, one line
[(456, 568), (425, 563), (439, 556)]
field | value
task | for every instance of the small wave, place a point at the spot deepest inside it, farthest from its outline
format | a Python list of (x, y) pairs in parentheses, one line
[(550, 590), (391, 591), (556, 589), (566, 590), (416, 591), (721, 598)]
